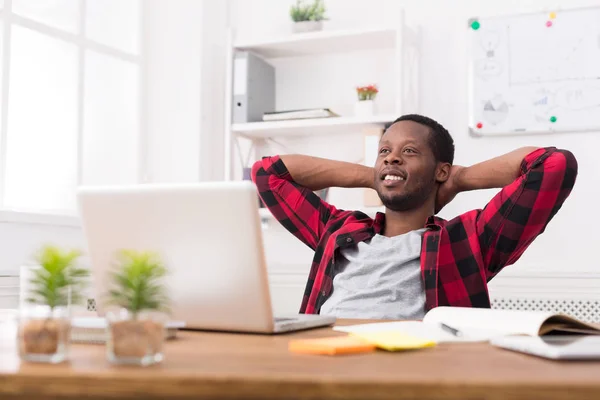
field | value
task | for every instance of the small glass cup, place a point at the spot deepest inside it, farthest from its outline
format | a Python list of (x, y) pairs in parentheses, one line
[(135, 339), (44, 334)]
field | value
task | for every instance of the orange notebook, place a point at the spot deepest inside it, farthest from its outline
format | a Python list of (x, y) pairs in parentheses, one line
[(331, 345)]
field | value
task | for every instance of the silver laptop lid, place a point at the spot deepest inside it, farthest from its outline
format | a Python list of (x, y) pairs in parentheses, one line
[(209, 236)]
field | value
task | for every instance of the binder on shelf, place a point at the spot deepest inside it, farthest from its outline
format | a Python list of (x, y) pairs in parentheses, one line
[(253, 88)]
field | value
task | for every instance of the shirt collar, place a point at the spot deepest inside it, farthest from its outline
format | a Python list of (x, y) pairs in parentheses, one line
[(435, 223)]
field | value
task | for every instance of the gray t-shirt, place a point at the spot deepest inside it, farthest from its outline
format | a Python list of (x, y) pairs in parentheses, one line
[(379, 279)]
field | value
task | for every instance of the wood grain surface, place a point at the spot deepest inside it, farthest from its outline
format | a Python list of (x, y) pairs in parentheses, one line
[(205, 365)]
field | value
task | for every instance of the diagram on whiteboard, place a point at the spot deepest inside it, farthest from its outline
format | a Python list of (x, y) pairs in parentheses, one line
[(495, 110), (543, 103), (536, 72), (489, 66)]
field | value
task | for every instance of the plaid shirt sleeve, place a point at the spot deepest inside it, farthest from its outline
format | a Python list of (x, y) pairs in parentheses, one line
[(297, 208), (523, 209)]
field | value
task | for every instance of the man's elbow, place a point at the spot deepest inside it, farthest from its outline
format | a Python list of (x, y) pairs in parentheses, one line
[(569, 160), (256, 168), (563, 161)]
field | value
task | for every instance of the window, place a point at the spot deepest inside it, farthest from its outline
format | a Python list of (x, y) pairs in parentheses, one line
[(70, 108)]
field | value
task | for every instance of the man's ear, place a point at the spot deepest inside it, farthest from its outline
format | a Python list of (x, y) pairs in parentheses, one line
[(442, 172)]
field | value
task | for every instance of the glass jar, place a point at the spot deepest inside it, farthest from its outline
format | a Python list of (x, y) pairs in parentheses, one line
[(44, 333), (135, 339)]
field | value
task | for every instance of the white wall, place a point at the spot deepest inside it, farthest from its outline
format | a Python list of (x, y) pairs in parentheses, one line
[(173, 44), (185, 75), (215, 26), (19, 241)]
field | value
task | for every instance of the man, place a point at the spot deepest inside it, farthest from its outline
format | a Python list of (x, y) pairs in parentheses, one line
[(407, 261)]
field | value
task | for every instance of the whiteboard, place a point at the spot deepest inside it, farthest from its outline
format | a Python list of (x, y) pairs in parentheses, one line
[(535, 73)]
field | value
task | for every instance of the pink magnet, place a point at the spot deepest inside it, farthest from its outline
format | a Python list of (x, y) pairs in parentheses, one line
[(548, 24)]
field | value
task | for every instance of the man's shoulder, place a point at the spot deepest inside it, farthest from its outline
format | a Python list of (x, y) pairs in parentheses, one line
[(465, 221), (349, 221)]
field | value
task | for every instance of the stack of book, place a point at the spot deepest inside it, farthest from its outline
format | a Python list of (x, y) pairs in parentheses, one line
[(299, 114)]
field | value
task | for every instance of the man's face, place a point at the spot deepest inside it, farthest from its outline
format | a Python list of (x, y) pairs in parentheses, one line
[(405, 169)]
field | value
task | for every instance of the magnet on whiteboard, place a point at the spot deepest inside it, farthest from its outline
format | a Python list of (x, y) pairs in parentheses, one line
[(479, 125), (552, 15), (548, 24)]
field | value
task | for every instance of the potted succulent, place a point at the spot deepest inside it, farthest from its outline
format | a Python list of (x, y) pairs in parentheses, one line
[(366, 100), (307, 17), (136, 331), (44, 322)]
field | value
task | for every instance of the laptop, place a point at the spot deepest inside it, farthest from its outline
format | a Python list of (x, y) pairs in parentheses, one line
[(209, 237)]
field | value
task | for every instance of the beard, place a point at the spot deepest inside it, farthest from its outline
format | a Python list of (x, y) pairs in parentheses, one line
[(408, 200)]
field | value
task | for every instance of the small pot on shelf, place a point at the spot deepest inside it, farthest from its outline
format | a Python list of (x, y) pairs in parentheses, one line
[(307, 15), (307, 26), (364, 108)]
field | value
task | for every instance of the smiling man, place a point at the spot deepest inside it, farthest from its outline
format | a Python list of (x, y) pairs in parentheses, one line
[(407, 261)]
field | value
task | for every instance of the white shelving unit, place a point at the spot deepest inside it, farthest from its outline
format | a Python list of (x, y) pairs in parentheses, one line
[(401, 41), (323, 42), (319, 126)]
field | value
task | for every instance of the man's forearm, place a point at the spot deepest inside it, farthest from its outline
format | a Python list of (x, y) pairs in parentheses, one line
[(319, 173), (495, 173)]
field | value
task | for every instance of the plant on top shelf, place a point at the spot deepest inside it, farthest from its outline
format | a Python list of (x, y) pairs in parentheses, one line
[(56, 283), (307, 16), (367, 92), (302, 11), (135, 334)]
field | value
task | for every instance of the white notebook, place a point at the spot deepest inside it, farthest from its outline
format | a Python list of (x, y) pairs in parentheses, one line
[(572, 347), (459, 324)]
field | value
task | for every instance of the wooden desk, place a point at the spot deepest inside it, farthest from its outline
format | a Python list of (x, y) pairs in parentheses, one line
[(233, 366)]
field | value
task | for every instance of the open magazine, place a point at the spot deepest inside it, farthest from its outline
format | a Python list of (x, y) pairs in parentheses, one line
[(459, 324)]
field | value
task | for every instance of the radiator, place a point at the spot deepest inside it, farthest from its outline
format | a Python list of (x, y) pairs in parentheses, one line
[(587, 310)]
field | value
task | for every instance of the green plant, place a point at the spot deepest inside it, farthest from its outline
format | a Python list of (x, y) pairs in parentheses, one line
[(136, 282), (58, 281), (303, 11)]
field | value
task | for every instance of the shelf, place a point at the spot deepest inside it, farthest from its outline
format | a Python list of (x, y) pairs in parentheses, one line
[(323, 42), (266, 215), (304, 127)]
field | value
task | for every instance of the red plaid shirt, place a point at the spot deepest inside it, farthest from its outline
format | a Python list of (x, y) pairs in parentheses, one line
[(458, 257)]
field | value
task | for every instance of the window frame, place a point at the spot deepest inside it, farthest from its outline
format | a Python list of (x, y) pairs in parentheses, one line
[(9, 19)]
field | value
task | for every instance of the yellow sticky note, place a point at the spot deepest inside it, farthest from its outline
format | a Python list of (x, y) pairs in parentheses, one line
[(552, 15), (394, 341)]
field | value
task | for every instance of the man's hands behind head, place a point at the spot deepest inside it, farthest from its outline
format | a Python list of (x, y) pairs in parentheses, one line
[(449, 189)]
